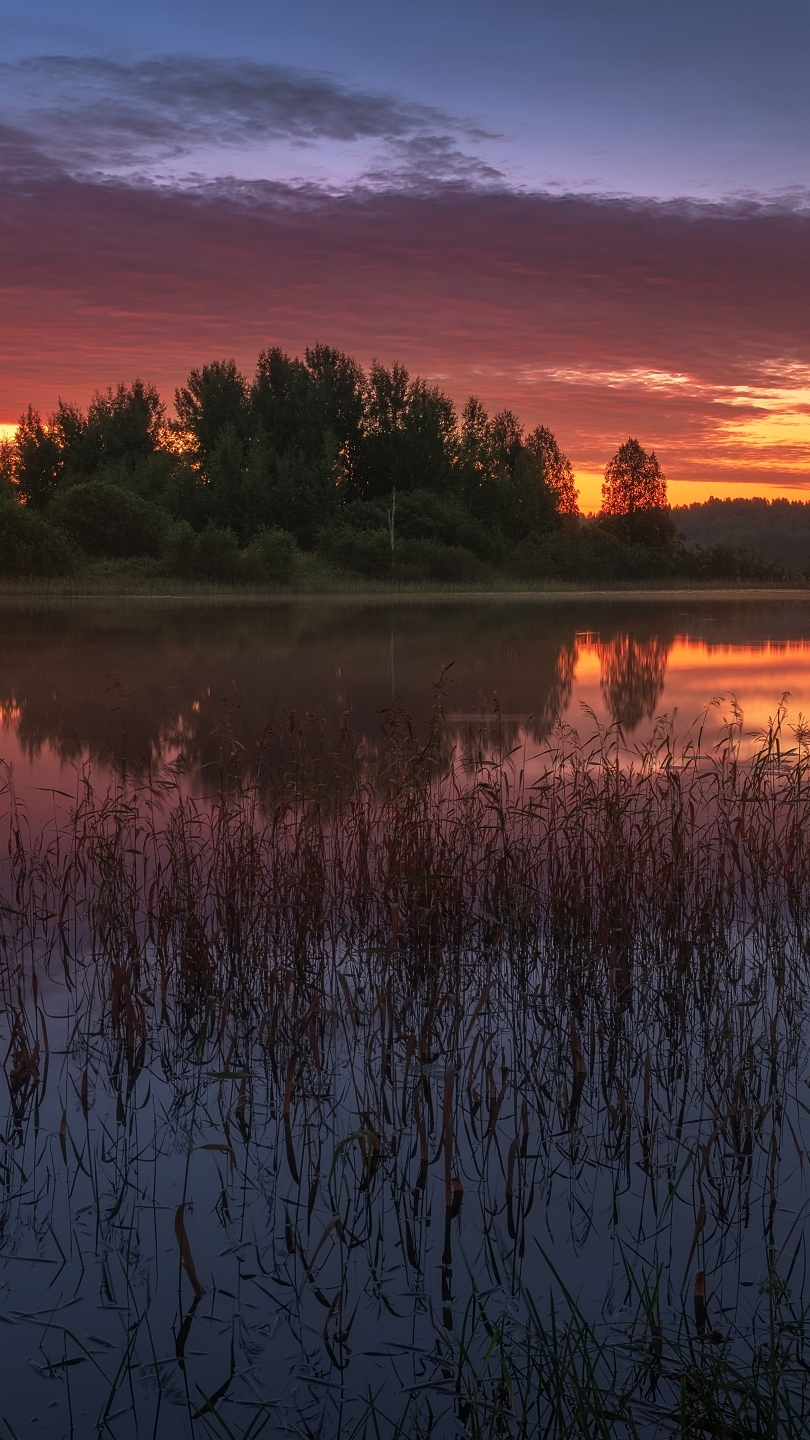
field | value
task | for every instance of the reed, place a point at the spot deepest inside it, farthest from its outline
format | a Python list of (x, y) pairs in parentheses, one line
[(428, 1091)]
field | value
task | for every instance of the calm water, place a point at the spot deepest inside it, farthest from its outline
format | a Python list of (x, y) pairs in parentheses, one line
[(329, 1273), (156, 681)]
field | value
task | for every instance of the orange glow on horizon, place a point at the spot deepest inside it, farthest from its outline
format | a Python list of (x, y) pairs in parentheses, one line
[(688, 492)]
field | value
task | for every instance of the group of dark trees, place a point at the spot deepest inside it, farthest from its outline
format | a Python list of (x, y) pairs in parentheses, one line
[(777, 530), (373, 471)]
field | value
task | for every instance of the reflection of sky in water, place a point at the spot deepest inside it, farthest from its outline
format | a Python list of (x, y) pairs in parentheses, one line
[(692, 674), (179, 688)]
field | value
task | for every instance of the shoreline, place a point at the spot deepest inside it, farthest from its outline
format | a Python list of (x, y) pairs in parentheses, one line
[(231, 595)]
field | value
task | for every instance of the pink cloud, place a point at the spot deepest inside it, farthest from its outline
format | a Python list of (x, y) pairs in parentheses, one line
[(684, 325)]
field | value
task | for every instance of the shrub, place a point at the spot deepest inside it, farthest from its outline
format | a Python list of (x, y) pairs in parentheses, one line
[(181, 556), (29, 545), (553, 556), (651, 528), (107, 521), (435, 561), (368, 552), (218, 552), (212, 555), (728, 562), (148, 476), (271, 557), (423, 516)]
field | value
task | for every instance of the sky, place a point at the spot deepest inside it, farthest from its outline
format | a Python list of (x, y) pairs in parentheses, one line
[(595, 212)]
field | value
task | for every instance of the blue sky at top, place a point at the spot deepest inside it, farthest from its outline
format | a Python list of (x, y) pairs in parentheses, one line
[(710, 100)]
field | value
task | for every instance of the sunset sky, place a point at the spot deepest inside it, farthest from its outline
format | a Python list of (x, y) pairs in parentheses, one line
[(596, 212)]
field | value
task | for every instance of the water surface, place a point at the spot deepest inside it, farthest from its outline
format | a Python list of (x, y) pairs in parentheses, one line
[(317, 1187), (152, 682)]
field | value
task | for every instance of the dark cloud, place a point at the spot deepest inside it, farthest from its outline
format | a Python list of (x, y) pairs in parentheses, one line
[(99, 115), (601, 318)]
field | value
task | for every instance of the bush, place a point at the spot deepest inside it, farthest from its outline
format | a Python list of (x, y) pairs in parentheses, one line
[(423, 516), (271, 557), (650, 529), (212, 555), (29, 546), (432, 560), (148, 476), (553, 556), (218, 554), (107, 521), (181, 557), (368, 552), (728, 562)]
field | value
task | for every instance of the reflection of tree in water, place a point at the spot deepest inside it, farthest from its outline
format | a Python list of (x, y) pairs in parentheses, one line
[(194, 681), (143, 686), (632, 676), (550, 685), (559, 697)]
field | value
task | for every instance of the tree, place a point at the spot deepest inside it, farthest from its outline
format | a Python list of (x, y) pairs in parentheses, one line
[(67, 425), (103, 519), (280, 398), (8, 471), (38, 460), (409, 435), (126, 422), (506, 442), (634, 500), (503, 475), (474, 432), (215, 399), (336, 399), (557, 471), (634, 481)]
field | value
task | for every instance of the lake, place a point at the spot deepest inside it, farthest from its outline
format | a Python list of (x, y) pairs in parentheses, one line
[(386, 1097), (156, 681)]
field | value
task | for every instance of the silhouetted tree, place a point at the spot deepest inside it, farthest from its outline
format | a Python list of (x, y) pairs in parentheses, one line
[(67, 425), (505, 441), (215, 413), (409, 435), (633, 481), (8, 471), (39, 461), (305, 435), (557, 471), (634, 499), (502, 476), (214, 399), (122, 424), (335, 408), (279, 402)]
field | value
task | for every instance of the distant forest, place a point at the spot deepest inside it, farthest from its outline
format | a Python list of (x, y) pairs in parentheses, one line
[(318, 465), (779, 530)]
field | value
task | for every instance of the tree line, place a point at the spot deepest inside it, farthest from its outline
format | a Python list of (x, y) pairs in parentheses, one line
[(369, 472), (779, 529)]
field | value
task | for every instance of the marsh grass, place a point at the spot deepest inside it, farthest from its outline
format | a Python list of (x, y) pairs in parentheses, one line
[(426, 1092)]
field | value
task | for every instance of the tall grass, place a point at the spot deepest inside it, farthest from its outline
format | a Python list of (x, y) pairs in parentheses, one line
[(416, 1093)]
